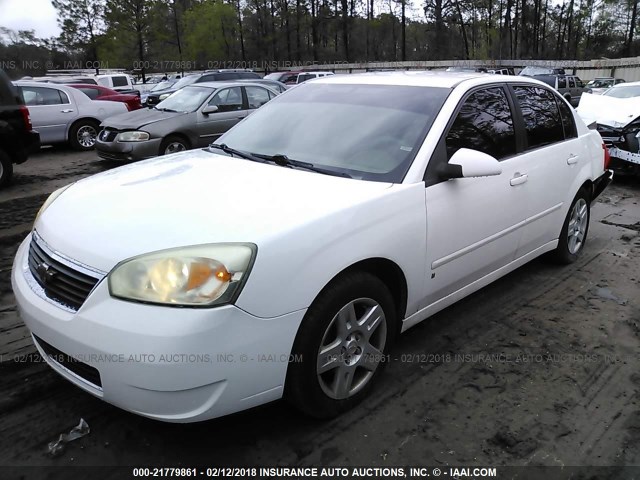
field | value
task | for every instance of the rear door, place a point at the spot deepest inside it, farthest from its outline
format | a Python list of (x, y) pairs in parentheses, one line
[(553, 154), (231, 109), (474, 224)]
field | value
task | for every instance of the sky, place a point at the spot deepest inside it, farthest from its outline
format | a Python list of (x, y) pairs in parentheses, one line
[(38, 15)]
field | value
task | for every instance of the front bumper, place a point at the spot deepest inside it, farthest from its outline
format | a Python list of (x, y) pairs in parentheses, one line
[(170, 364), (128, 151)]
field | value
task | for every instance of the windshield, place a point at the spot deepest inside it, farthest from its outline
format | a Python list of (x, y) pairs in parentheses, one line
[(163, 85), (370, 132), (623, 92), (185, 100), (184, 81)]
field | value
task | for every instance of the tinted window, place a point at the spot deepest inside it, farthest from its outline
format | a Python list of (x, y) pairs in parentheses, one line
[(120, 81), (541, 116), (92, 93), (257, 96), (228, 99), (484, 123), (34, 96), (572, 82), (247, 75), (8, 93), (568, 123), (562, 82), (226, 76)]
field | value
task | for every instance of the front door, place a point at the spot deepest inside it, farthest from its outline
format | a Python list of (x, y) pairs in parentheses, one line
[(474, 225), (231, 109)]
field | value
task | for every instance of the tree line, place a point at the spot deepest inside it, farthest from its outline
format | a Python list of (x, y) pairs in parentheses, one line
[(172, 35)]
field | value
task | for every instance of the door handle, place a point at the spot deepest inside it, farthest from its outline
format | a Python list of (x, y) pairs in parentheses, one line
[(518, 179), (66, 111), (572, 159)]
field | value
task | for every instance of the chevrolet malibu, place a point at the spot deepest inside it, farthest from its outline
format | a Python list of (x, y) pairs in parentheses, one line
[(284, 259)]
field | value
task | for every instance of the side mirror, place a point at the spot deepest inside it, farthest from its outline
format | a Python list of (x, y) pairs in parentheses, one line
[(467, 163), (210, 109)]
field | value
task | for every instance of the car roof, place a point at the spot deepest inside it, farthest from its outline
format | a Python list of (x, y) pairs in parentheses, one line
[(228, 83), (422, 78)]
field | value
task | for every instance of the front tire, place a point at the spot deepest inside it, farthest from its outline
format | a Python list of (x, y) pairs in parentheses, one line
[(342, 343), (173, 144), (6, 169), (574, 231), (83, 135)]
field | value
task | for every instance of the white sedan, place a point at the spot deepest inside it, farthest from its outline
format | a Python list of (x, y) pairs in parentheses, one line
[(284, 259)]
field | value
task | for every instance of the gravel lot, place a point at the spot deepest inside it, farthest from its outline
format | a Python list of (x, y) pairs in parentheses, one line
[(539, 368)]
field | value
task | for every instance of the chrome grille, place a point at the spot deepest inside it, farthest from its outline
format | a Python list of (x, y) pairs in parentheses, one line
[(60, 282)]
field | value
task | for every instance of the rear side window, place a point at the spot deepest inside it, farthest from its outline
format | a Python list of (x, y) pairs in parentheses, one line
[(568, 122), (39, 96), (257, 96), (540, 114), (484, 123), (120, 81), (8, 93), (572, 82), (225, 76)]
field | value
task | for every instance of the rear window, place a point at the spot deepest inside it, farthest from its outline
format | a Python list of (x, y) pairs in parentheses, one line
[(120, 81)]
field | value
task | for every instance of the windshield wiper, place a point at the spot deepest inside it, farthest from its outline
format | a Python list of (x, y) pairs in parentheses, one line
[(166, 110), (236, 153), (284, 161)]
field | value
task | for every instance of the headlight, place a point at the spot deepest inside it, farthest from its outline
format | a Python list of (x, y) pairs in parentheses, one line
[(132, 137), (163, 96), (205, 275), (47, 203)]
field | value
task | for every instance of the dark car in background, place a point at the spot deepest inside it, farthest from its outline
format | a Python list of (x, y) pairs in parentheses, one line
[(156, 97), (288, 78), (192, 117), (569, 86), (17, 138), (98, 92)]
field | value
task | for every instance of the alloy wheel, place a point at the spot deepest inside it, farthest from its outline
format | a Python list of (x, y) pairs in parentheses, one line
[(577, 226), (351, 348)]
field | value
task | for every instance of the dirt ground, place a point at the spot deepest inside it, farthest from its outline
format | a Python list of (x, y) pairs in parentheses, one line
[(539, 368)]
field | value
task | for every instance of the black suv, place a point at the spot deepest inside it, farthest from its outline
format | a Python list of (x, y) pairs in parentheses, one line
[(17, 139), (208, 76)]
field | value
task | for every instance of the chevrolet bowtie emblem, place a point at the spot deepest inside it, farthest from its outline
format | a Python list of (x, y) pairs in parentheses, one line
[(45, 272)]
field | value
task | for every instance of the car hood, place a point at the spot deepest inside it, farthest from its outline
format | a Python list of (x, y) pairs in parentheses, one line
[(139, 118), (191, 198), (157, 93), (611, 111)]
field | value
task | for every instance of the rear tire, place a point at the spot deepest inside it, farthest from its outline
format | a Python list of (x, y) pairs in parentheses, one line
[(573, 236), (342, 345), (6, 169), (83, 135)]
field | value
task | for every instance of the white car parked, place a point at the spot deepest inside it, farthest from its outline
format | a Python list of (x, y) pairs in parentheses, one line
[(284, 259), (61, 113)]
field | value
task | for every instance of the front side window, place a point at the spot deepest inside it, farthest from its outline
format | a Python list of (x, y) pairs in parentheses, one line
[(562, 82), (540, 114), (370, 132), (228, 99), (484, 123)]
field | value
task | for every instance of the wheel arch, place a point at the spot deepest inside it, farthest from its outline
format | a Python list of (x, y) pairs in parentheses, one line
[(389, 273), (181, 135), (81, 119)]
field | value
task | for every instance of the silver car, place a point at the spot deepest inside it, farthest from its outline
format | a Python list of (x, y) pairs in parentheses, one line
[(191, 117), (63, 114)]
